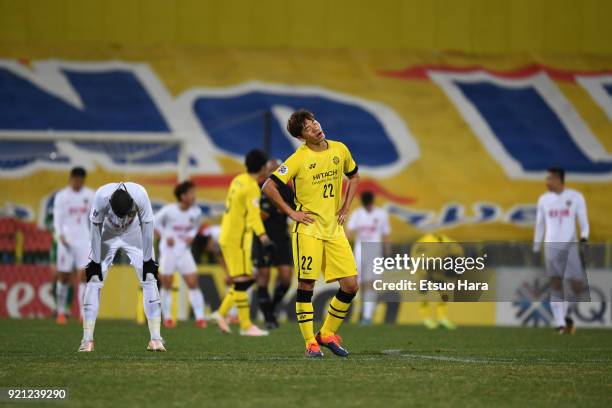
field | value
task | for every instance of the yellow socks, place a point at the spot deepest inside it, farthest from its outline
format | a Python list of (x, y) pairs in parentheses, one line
[(441, 311), (304, 312), (227, 303), (238, 296), (241, 298), (424, 310), (337, 311)]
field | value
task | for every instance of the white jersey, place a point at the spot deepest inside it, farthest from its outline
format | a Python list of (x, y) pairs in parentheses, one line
[(369, 226), (101, 210), (556, 217), (70, 214), (172, 222)]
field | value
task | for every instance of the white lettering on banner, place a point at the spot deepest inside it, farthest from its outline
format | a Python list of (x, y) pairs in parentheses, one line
[(46, 296), (19, 295), (535, 312)]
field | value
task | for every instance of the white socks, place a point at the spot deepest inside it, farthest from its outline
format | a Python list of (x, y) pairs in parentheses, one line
[(196, 298), (61, 296), (152, 306), (80, 297), (91, 305), (166, 299), (558, 307), (368, 310)]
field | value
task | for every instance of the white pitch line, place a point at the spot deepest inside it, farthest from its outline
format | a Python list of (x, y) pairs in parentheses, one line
[(395, 352)]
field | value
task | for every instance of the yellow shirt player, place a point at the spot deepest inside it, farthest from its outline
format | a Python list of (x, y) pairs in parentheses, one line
[(436, 245), (240, 220), (317, 169)]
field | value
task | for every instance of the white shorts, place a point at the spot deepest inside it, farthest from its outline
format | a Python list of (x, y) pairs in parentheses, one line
[(373, 250), (73, 257), (129, 241), (564, 263), (170, 261)]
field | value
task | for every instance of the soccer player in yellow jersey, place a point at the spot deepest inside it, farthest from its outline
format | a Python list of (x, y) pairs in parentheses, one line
[(319, 245), (436, 245), (240, 220)]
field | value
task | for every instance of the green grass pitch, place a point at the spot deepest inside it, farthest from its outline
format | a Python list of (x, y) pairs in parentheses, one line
[(389, 366)]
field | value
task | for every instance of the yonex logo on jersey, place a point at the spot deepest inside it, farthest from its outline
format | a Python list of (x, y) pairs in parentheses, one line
[(336, 160), (283, 169), (568, 203), (312, 166)]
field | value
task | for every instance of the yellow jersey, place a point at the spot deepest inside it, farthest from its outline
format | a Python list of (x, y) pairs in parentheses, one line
[(436, 245), (317, 179), (242, 215)]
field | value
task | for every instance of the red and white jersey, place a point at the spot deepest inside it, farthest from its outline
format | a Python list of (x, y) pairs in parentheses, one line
[(173, 222), (556, 217), (369, 226), (71, 212), (101, 210)]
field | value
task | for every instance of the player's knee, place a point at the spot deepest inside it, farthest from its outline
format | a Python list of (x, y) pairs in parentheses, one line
[(351, 287), (306, 284)]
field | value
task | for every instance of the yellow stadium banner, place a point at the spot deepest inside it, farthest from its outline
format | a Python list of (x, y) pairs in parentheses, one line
[(448, 142)]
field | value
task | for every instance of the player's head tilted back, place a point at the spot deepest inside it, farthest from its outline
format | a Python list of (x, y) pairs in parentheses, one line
[(303, 125), (77, 178), (367, 200), (185, 193), (121, 202), (255, 161), (555, 179)]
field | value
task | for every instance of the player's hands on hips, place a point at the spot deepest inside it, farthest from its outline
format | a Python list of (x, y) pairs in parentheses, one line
[(342, 214), (302, 216), (93, 269), (170, 241)]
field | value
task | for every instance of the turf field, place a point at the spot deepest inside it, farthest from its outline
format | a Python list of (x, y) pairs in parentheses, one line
[(389, 366)]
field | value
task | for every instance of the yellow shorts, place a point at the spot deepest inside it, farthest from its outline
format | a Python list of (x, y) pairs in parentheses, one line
[(311, 256), (237, 259)]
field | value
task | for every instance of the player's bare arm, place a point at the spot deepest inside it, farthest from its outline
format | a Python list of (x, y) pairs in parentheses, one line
[(351, 190)]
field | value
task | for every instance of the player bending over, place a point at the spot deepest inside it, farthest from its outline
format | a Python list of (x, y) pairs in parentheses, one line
[(240, 220), (278, 254), (177, 225), (71, 225), (318, 240), (122, 218), (558, 210)]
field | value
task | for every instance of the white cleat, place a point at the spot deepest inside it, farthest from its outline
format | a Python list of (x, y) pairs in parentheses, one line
[(156, 345), (254, 331), (223, 326), (87, 346)]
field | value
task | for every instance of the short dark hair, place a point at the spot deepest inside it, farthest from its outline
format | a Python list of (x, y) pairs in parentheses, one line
[(182, 188), (558, 171), (295, 124), (78, 172), (121, 201), (255, 160), (367, 198)]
